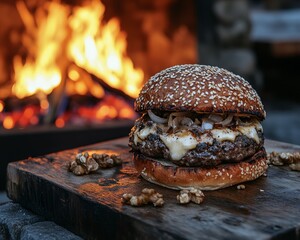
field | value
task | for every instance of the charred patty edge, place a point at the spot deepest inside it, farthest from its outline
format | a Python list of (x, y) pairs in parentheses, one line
[(203, 155)]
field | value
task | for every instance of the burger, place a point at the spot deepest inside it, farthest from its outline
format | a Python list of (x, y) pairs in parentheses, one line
[(200, 127)]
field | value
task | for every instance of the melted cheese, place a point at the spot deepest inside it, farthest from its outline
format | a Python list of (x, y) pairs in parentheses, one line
[(206, 139), (250, 132), (179, 143), (224, 134), (143, 133)]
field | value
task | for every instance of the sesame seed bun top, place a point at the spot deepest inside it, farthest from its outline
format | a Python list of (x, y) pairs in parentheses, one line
[(199, 88)]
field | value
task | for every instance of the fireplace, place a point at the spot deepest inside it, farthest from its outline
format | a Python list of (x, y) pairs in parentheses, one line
[(70, 70), (84, 63)]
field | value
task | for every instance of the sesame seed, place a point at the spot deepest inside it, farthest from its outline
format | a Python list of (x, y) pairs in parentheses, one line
[(192, 84)]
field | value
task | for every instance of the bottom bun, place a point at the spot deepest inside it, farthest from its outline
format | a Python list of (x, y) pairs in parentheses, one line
[(172, 176)]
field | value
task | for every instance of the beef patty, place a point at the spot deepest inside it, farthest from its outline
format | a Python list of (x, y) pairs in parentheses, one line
[(203, 155)]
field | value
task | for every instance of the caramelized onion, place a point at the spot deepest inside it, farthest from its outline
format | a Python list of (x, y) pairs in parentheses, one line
[(215, 118), (171, 121), (227, 120), (178, 114), (177, 119), (186, 121), (156, 118), (174, 123), (182, 122), (242, 123), (197, 122)]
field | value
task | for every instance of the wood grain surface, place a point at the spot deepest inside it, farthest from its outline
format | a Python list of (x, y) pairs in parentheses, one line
[(90, 206)]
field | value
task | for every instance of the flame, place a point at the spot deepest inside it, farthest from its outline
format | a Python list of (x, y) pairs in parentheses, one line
[(40, 72), (65, 45), (98, 47)]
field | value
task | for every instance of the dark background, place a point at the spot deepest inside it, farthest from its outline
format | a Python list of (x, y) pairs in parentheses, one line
[(259, 40)]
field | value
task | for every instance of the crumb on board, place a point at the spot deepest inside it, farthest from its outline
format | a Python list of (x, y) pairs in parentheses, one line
[(241, 187)]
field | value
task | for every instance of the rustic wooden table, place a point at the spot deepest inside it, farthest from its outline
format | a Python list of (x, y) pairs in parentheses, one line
[(91, 206)]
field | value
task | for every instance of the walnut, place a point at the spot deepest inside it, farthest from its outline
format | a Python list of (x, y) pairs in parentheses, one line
[(147, 196), (107, 161), (279, 159), (184, 197), (190, 195), (83, 164), (295, 166), (79, 170)]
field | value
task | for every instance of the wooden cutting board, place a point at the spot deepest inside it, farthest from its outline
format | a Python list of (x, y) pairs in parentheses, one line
[(91, 207)]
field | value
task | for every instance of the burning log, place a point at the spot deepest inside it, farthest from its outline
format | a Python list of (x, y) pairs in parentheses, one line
[(112, 90), (56, 103), (13, 103), (58, 99)]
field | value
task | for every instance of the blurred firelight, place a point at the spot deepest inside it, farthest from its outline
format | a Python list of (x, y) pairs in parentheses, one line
[(96, 46), (59, 122), (73, 75), (34, 120), (8, 122), (106, 112), (44, 104), (126, 113), (40, 72), (100, 48), (1, 106), (65, 45)]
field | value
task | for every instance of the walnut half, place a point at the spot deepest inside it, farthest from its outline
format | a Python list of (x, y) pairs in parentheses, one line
[(147, 196), (83, 164), (285, 158), (190, 195), (107, 161)]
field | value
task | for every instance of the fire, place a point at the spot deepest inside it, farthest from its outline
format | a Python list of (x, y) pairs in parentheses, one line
[(101, 49), (40, 72), (69, 48), (34, 79), (89, 42)]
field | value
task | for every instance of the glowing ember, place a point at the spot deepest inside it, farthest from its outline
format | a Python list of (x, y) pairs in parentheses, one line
[(110, 107), (8, 122), (1, 106), (59, 122)]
